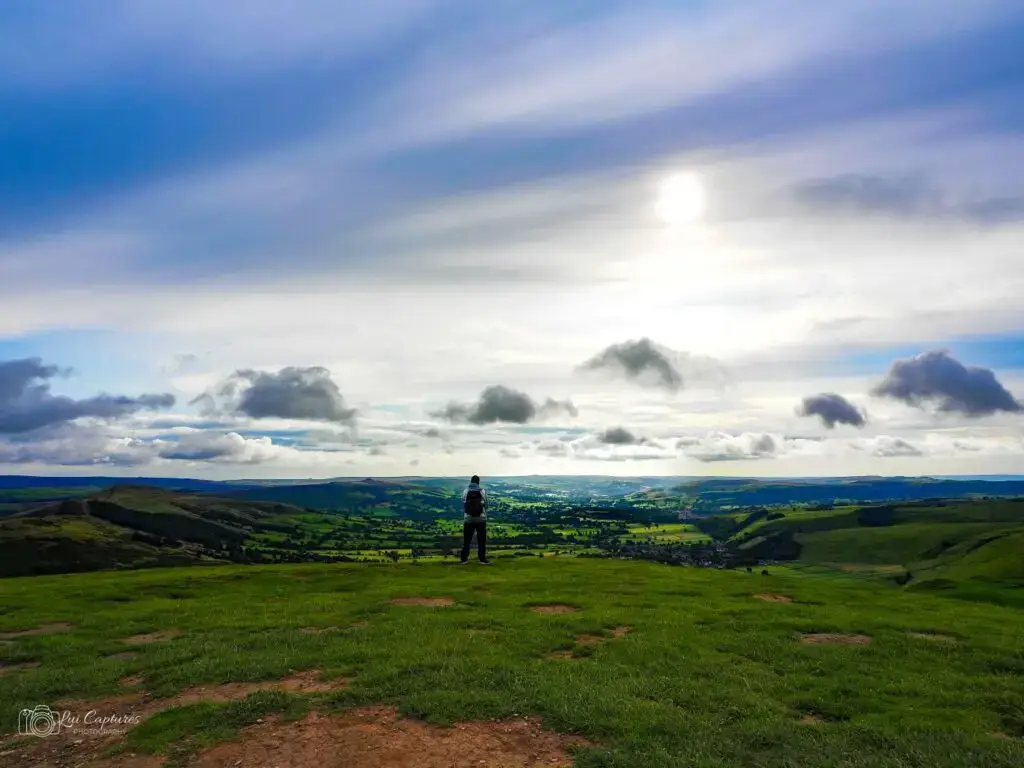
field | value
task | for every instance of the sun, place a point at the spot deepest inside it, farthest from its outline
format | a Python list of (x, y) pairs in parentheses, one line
[(680, 199)]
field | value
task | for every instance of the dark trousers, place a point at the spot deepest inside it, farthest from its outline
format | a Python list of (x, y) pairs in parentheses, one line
[(479, 527)]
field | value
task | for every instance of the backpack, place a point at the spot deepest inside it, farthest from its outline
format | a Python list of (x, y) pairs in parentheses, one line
[(474, 502)]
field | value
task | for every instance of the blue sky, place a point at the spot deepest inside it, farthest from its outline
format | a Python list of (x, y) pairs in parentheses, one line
[(430, 198)]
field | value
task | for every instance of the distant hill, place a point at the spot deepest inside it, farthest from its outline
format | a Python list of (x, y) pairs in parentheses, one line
[(367, 496), (130, 527), (710, 495), (964, 545)]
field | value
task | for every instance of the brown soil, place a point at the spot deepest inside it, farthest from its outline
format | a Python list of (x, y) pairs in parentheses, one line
[(302, 682), (123, 656), (833, 639), (45, 629), (554, 608), (376, 737), (614, 634), (152, 637), (318, 630), (436, 601), (7, 668), (132, 681), (935, 637), (559, 655), (83, 749), (774, 598), (142, 704), (812, 719)]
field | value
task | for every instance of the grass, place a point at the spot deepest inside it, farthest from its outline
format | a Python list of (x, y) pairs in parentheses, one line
[(898, 544), (707, 675)]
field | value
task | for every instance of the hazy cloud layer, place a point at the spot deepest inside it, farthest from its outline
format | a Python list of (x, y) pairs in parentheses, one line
[(292, 393), (499, 403), (640, 360), (832, 409), (26, 402), (910, 195), (936, 377)]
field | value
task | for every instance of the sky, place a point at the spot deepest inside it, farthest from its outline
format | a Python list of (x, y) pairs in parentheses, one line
[(321, 239)]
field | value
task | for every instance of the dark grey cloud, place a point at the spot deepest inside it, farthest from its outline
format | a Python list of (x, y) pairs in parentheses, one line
[(618, 436), (832, 409), (912, 195), (499, 403), (638, 360), (291, 393), (27, 404), (936, 377)]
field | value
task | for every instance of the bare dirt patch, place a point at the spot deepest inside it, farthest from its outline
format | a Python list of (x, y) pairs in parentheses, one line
[(45, 629), (829, 638), (85, 748), (376, 737), (812, 719), (302, 682), (774, 598), (560, 655), (132, 681), (935, 637), (7, 668), (144, 705), (554, 608), (441, 602), (152, 637), (612, 634), (123, 656)]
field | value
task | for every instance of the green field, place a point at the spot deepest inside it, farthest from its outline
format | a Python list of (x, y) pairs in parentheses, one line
[(707, 675)]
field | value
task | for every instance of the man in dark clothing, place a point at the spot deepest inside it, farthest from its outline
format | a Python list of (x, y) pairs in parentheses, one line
[(474, 520)]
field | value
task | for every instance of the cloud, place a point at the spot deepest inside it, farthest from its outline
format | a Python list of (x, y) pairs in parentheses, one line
[(499, 403), (229, 447), (308, 394), (641, 361), (70, 444), (833, 409), (718, 446), (936, 376), (618, 436), (26, 403), (911, 195), (885, 446)]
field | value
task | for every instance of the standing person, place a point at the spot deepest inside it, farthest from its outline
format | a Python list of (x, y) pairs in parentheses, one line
[(474, 520)]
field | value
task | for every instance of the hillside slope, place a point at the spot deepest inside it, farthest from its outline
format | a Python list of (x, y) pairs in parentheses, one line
[(944, 545), (130, 527), (382, 497)]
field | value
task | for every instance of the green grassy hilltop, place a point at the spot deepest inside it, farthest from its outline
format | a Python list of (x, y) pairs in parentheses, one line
[(657, 666)]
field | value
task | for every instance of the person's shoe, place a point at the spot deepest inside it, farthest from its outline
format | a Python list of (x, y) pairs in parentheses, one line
[(485, 562), (464, 562)]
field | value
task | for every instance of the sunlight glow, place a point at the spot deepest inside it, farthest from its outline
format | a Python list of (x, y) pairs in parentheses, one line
[(680, 199)]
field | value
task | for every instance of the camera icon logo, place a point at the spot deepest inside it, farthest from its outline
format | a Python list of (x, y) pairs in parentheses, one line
[(39, 721)]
